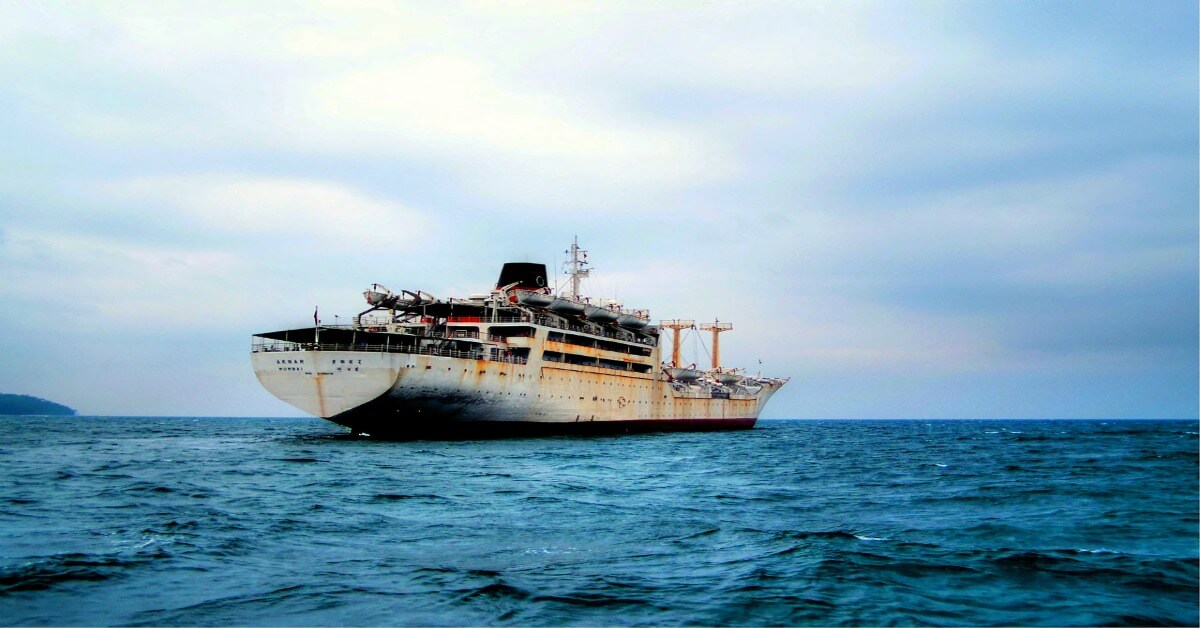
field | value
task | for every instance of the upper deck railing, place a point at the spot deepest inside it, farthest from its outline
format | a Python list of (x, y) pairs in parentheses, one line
[(528, 317), (266, 345)]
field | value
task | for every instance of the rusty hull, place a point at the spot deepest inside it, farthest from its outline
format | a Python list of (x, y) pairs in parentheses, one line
[(401, 394)]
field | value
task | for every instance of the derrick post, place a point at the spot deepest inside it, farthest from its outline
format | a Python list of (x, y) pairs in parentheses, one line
[(716, 327), (676, 325)]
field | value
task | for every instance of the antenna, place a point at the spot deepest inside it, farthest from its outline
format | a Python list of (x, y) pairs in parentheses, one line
[(676, 325), (577, 270), (716, 327)]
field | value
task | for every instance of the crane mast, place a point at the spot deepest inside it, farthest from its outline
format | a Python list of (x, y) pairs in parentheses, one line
[(676, 325), (716, 327)]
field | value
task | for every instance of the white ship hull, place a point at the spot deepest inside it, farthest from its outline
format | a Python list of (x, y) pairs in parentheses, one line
[(397, 394), (496, 364)]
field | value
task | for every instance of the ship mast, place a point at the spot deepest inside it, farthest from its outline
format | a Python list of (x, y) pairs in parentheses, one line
[(716, 327), (577, 264), (676, 325)]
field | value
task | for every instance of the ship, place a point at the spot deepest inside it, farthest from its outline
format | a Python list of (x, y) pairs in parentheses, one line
[(520, 359)]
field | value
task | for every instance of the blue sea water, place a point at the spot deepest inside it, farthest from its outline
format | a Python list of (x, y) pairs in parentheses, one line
[(152, 521)]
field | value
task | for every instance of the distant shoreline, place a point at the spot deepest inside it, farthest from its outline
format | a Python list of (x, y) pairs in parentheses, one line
[(26, 405), (760, 421)]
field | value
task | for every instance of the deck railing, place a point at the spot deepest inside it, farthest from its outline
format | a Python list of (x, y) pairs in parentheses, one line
[(527, 317), (263, 345)]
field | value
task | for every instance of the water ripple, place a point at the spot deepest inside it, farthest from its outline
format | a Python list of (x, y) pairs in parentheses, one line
[(151, 521)]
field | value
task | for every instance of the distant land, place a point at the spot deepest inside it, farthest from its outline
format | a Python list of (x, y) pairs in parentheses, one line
[(24, 404)]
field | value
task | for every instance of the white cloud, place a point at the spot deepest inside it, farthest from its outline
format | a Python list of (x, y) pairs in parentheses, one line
[(299, 211), (514, 143), (389, 83), (111, 283), (839, 180), (251, 246)]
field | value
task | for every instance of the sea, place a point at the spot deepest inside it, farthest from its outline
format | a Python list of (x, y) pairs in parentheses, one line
[(274, 521)]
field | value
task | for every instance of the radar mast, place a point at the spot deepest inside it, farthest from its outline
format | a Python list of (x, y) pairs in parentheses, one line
[(576, 263)]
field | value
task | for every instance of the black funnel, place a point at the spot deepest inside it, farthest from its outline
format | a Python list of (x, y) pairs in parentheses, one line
[(524, 274)]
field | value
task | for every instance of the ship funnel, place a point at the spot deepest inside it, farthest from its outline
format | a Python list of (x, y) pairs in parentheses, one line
[(525, 276)]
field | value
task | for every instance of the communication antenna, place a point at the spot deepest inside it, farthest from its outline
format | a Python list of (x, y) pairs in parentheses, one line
[(716, 327), (577, 263)]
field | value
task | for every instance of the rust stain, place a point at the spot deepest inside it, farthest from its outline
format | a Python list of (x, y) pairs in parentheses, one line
[(317, 381), (492, 390), (593, 352)]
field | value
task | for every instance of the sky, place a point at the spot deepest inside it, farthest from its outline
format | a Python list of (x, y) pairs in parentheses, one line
[(972, 209)]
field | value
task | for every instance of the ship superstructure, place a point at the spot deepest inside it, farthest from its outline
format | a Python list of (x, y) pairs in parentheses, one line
[(518, 359)]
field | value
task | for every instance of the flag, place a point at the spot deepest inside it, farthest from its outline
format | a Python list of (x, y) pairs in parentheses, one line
[(315, 323)]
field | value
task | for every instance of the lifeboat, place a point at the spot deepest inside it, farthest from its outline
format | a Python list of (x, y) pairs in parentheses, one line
[(566, 306), (600, 314), (683, 375), (378, 295), (534, 299), (632, 322), (729, 379)]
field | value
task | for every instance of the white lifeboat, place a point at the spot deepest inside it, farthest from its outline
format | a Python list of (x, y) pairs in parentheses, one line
[(533, 298), (566, 306), (378, 295), (600, 314), (683, 375), (634, 321), (728, 378)]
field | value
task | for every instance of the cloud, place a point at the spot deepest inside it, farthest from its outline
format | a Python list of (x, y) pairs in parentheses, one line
[(517, 144), (925, 201), (115, 284), (302, 212), (204, 251), (172, 79)]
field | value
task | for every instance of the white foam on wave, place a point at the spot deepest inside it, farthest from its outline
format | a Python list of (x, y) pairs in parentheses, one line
[(554, 550), (870, 538)]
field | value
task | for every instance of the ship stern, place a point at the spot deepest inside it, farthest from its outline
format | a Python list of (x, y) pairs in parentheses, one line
[(325, 383)]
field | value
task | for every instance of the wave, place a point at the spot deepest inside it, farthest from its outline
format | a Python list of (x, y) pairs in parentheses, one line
[(594, 600), (826, 534), (822, 534), (714, 529), (391, 497), (495, 590), (72, 567), (700, 534)]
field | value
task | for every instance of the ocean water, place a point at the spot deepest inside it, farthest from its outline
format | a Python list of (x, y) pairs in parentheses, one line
[(153, 521)]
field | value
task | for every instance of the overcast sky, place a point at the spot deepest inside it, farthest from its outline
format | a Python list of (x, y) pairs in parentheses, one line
[(950, 209)]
